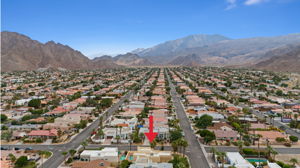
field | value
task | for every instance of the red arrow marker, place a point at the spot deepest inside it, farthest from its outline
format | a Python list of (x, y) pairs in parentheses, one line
[(151, 135)]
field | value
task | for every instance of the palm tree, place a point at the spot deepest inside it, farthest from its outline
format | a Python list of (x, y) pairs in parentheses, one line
[(296, 117), (269, 149), (214, 151), (84, 144), (240, 145), (221, 156), (290, 114), (120, 128), (153, 144), (274, 153), (118, 139), (283, 114), (100, 133), (72, 152), (174, 145), (184, 144), (101, 121), (294, 161), (65, 155)]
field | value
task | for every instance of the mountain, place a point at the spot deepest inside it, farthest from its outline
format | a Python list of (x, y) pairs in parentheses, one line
[(216, 50), (128, 59), (284, 59), (162, 53), (19, 52), (238, 51)]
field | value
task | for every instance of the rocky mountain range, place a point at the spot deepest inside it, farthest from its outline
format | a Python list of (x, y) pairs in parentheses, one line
[(284, 59), (127, 59), (164, 52), (220, 51), (19, 52)]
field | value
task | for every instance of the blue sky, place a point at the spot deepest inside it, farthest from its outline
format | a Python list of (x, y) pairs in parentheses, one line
[(118, 26)]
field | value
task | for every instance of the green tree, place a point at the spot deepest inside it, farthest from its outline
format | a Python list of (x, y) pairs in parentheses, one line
[(293, 138), (207, 135), (179, 161), (105, 103), (65, 155), (221, 157), (84, 144), (204, 121), (125, 164), (72, 152), (36, 103), (21, 162), (294, 161), (12, 157), (3, 117), (175, 134), (153, 144)]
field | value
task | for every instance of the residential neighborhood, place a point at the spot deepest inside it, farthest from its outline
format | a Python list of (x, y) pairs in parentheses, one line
[(79, 119)]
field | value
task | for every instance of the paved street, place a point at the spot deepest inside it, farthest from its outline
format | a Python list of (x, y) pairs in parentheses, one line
[(194, 151)]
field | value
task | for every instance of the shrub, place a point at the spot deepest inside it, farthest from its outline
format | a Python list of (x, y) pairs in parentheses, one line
[(246, 143), (293, 138), (36, 103), (280, 139), (38, 140)]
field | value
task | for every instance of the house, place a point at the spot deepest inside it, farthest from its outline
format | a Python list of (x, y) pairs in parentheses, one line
[(99, 163), (254, 126), (226, 135), (26, 127), (194, 100), (18, 135), (64, 123), (152, 165), (221, 126), (108, 154), (214, 115), (131, 123), (43, 133), (146, 155), (235, 159), (22, 102), (112, 133), (270, 135)]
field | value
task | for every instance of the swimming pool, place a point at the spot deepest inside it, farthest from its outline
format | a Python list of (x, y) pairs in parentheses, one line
[(256, 159), (122, 157)]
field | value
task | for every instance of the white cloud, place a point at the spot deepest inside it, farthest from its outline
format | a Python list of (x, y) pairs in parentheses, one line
[(230, 4), (254, 2)]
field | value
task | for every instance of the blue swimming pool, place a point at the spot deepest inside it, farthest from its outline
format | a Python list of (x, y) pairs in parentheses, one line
[(256, 159)]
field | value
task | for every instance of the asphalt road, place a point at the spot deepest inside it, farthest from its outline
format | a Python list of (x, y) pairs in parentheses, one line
[(193, 151)]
